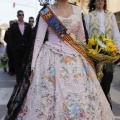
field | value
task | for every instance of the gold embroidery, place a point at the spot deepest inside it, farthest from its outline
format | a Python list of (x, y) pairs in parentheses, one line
[(95, 26), (48, 15)]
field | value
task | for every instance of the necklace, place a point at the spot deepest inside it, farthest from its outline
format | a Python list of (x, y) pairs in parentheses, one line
[(65, 12)]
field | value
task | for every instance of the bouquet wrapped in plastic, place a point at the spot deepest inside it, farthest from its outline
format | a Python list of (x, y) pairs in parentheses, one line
[(102, 50)]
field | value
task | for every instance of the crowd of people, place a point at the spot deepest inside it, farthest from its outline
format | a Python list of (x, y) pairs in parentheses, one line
[(17, 38), (62, 82)]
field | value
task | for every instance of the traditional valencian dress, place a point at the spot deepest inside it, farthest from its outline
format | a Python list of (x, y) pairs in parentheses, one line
[(64, 85)]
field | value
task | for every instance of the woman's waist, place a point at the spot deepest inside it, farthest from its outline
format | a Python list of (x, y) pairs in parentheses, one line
[(61, 47)]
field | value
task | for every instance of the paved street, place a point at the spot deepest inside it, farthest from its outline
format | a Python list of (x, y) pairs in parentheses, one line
[(6, 86), (7, 82)]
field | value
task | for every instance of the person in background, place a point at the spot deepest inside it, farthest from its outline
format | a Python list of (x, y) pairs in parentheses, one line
[(20, 33), (4, 60), (100, 20), (31, 22), (9, 51), (15, 21)]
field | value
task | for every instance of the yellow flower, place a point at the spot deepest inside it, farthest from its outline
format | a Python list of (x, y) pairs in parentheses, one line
[(111, 47), (96, 44), (107, 49), (114, 49), (92, 41), (96, 39), (94, 51), (107, 40), (110, 44)]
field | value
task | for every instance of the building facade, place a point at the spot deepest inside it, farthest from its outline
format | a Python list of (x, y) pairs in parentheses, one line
[(3, 28)]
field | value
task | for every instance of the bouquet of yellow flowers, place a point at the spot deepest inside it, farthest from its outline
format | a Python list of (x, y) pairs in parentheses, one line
[(102, 50)]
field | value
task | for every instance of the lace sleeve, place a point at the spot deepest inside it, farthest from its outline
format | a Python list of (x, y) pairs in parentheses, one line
[(81, 32), (41, 31)]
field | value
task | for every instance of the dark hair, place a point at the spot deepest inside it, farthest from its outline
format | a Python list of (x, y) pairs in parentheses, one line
[(19, 12), (92, 7), (31, 18), (73, 3), (11, 21)]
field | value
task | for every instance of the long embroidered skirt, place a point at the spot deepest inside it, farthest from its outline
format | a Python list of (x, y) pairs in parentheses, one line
[(64, 87)]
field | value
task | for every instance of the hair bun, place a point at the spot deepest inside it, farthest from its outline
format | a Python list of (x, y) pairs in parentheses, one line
[(46, 2)]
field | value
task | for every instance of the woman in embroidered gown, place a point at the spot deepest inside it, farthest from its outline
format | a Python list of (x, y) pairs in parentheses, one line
[(64, 85)]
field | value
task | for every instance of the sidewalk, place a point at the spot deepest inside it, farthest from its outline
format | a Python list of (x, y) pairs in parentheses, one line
[(115, 93), (6, 87)]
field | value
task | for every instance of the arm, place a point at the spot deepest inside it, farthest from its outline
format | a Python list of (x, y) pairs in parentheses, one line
[(41, 31), (30, 32), (87, 22), (81, 32), (11, 37), (116, 33), (6, 37), (86, 32)]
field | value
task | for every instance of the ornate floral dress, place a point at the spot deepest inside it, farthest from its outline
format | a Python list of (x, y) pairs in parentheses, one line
[(64, 85)]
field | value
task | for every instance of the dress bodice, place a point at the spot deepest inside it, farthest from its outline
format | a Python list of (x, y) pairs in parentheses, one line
[(74, 24), (75, 27)]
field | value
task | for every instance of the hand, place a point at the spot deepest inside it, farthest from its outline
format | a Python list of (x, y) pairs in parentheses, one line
[(31, 75)]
